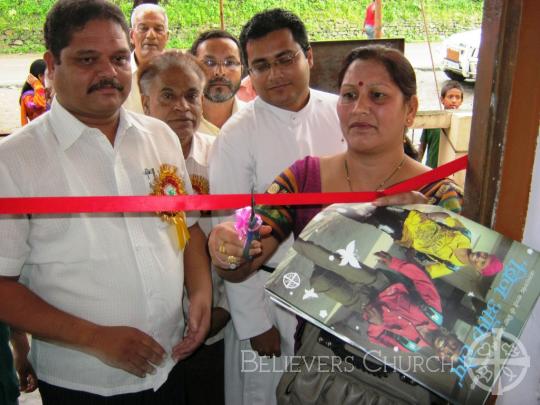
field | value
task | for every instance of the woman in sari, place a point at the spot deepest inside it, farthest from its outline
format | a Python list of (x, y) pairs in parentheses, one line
[(33, 100), (377, 103)]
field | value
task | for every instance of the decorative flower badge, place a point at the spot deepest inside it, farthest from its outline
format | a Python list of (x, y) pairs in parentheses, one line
[(168, 183)]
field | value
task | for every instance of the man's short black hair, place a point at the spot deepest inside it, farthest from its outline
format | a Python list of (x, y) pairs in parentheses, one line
[(212, 34), (69, 16), (268, 21)]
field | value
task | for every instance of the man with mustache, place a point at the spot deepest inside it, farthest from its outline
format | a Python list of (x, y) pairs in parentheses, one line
[(286, 122), (149, 34), (102, 292), (219, 51)]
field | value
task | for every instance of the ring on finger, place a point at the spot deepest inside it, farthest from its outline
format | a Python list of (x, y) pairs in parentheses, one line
[(221, 248), (233, 260)]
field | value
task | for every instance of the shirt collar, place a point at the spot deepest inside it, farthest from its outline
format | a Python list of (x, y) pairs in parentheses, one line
[(66, 127), (134, 64), (128, 121), (207, 126), (197, 151), (69, 129), (281, 112), (237, 104)]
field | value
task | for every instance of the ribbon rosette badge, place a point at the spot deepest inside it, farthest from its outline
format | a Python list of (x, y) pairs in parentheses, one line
[(169, 184)]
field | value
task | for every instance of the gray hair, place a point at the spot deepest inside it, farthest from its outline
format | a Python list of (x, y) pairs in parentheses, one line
[(145, 7), (168, 59)]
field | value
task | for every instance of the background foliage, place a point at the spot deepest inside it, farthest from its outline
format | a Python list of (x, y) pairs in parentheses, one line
[(21, 21)]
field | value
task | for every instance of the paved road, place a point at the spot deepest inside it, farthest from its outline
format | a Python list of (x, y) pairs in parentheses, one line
[(15, 68)]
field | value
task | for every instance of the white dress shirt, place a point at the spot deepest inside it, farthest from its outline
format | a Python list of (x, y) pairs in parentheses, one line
[(254, 146), (111, 269), (133, 102), (197, 164)]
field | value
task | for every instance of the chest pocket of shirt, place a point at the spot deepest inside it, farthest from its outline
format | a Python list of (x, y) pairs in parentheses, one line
[(63, 238)]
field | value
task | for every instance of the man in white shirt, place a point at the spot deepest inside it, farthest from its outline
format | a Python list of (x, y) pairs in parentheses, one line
[(172, 86), (219, 52), (286, 122), (103, 293), (149, 34)]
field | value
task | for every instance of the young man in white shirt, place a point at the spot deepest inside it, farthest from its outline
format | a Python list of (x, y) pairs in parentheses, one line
[(286, 122), (219, 52), (103, 299)]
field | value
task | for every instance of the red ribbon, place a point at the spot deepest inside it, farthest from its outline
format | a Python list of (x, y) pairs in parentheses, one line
[(109, 204)]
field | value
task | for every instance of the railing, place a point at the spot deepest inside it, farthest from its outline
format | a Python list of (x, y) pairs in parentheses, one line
[(454, 141)]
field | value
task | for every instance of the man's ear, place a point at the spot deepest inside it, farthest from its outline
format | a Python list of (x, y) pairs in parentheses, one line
[(309, 56), (145, 100), (50, 62), (131, 34)]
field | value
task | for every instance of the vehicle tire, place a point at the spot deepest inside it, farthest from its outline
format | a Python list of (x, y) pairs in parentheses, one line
[(454, 75)]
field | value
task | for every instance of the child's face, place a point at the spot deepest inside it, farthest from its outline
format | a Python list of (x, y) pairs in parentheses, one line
[(452, 99)]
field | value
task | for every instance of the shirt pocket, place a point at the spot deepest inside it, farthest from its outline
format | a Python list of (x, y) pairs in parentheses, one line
[(65, 238)]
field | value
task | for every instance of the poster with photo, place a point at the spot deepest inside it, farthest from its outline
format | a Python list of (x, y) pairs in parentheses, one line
[(425, 291)]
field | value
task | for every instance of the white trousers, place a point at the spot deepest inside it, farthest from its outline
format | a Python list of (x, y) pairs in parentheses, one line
[(249, 378)]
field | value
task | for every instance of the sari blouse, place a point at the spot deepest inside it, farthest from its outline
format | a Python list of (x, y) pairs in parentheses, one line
[(304, 176)]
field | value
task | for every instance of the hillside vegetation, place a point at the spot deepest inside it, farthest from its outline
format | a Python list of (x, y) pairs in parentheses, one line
[(21, 21)]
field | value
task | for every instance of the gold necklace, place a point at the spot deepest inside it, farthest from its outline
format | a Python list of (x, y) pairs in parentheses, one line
[(379, 187)]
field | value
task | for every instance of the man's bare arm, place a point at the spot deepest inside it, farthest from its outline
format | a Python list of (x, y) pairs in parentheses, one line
[(122, 347), (198, 283)]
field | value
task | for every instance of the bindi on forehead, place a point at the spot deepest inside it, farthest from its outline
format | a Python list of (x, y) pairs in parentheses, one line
[(360, 83)]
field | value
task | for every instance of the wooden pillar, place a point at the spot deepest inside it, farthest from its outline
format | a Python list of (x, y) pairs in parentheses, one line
[(221, 18), (378, 19), (505, 116), (521, 126)]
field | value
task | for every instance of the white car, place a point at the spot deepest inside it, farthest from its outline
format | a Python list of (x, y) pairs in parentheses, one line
[(461, 57)]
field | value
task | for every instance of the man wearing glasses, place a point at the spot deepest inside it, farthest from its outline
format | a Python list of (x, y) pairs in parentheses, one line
[(149, 34), (219, 52), (286, 122)]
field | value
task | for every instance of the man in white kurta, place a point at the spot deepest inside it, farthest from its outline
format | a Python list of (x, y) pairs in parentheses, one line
[(286, 123)]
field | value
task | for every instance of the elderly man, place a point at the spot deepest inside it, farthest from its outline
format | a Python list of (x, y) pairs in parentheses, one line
[(219, 52), (286, 122), (172, 86), (104, 291), (149, 35)]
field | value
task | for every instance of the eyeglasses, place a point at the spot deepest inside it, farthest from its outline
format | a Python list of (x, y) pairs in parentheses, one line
[(262, 67), (229, 64)]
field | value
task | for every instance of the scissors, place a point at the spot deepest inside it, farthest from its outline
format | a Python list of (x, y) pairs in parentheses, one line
[(253, 228)]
